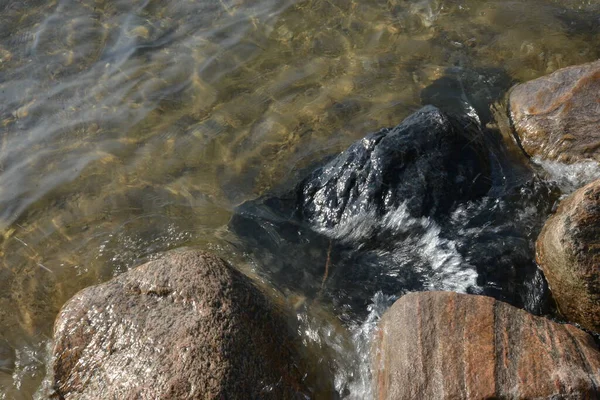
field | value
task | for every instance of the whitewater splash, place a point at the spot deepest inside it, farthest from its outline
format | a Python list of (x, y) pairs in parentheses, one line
[(344, 350), (418, 242), (570, 177)]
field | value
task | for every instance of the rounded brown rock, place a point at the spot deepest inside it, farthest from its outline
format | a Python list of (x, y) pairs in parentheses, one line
[(556, 117), (568, 251), (186, 326)]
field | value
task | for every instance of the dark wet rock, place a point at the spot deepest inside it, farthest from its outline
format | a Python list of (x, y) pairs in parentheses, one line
[(424, 167), (430, 162), (568, 251), (497, 236), (556, 117), (441, 345), (417, 207), (184, 326)]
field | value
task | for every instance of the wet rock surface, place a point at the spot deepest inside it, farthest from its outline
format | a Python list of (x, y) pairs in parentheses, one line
[(556, 117), (422, 206), (568, 251), (440, 345), (430, 162), (184, 326), (422, 168)]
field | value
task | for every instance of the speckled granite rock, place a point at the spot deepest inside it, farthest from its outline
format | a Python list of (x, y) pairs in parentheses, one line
[(187, 326)]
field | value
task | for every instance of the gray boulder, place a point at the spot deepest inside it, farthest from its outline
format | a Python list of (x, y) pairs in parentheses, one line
[(418, 206)]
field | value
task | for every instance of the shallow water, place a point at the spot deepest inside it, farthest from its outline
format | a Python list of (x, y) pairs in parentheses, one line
[(132, 127)]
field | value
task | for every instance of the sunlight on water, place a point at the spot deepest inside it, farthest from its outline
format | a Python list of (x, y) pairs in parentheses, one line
[(131, 127)]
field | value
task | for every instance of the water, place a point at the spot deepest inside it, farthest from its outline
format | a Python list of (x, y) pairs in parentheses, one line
[(570, 177), (132, 127)]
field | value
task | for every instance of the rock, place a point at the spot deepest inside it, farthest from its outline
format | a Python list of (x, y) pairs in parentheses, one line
[(442, 345), (405, 209), (556, 117), (358, 223), (430, 162), (568, 251), (184, 326)]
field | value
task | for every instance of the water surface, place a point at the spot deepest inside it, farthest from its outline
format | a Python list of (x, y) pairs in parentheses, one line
[(131, 127)]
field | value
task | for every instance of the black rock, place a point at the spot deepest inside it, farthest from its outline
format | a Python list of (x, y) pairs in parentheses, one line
[(432, 204), (430, 162), (356, 225)]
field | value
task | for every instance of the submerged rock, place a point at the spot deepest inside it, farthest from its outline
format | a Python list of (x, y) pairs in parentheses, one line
[(463, 90), (568, 251), (556, 117), (185, 326), (440, 345)]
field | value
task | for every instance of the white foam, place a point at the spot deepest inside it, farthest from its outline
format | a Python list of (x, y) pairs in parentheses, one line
[(570, 177), (346, 348), (364, 225), (447, 270), (448, 266), (362, 337)]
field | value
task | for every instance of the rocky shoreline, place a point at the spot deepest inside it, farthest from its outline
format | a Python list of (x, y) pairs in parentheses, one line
[(189, 325)]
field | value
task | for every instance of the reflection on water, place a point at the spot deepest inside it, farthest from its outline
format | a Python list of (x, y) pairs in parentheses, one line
[(129, 127)]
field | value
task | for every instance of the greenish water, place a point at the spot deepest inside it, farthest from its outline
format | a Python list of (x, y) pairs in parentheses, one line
[(132, 127)]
